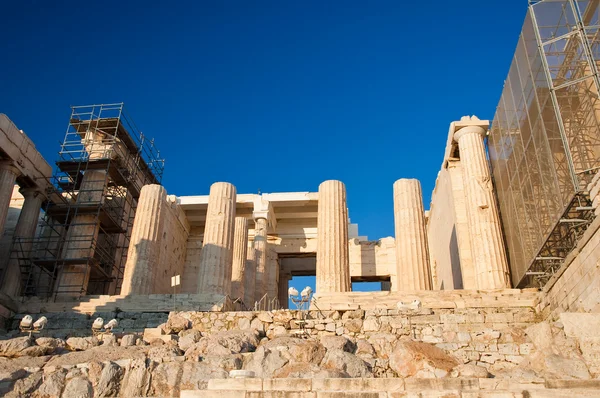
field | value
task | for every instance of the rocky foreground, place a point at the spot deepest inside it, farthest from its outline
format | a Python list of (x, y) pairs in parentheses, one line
[(185, 358)]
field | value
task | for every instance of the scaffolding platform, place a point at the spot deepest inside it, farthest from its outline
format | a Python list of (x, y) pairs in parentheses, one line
[(84, 237)]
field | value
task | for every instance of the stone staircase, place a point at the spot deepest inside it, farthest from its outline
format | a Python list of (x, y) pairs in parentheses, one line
[(133, 303), (393, 388)]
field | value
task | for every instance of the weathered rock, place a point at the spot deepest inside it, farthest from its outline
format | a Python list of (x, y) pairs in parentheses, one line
[(128, 340), (383, 343), (225, 362), (558, 367), (470, 370), (109, 340), (409, 357), (265, 361), (354, 325), (344, 361), (176, 323), (169, 378), (337, 343), (265, 317), (256, 324), (224, 343), (26, 386), (110, 380), (297, 370), (12, 348), (81, 343), (354, 314), (164, 351), (52, 385), (78, 387), (136, 380), (298, 350), (189, 339), (364, 348), (50, 344), (541, 336)]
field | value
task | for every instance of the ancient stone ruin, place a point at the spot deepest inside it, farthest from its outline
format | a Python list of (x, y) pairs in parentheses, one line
[(111, 286)]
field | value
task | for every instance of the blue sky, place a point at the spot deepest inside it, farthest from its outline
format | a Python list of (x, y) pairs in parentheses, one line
[(270, 95)]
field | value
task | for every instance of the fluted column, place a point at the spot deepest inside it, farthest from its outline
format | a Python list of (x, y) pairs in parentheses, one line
[(260, 256), (489, 256), (23, 239), (412, 262), (240, 248), (217, 247), (250, 278), (333, 267), (8, 176), (144, 245)]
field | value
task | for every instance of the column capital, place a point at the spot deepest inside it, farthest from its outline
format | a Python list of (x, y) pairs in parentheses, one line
[(264, 209), (32, 192), (10, 166), (469, 130)]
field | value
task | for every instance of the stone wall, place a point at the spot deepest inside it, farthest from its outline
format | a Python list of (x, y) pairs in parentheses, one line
[(444, 257), (369, 259), (172, 247), (490, 337), (191, 268), (576, 286)]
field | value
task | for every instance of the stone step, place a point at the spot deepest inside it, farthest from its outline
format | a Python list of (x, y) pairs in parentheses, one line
[(541, 393), (394, 387)]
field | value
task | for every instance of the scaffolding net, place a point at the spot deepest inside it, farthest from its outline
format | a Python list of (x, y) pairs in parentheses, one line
[(544, 142), (81, 248)]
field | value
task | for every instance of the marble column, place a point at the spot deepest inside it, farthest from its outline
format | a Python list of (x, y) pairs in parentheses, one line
[(23, 239), (250, 278), (240, 249), (8, 176), (144, 244), (217, 247), (489, 256), (333, 267), (272, 274), (260, 256), (412, 260)]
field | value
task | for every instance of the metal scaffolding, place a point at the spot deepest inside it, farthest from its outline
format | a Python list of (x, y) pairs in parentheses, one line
[(544, 143), (81, 249)]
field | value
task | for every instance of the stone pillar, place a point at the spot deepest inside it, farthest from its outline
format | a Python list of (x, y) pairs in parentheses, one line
[(489, 256), (240, 249), (82, 236), (23, 239), (260, 256), (272, 274), (144, 244), (333, 267), (8, 176), (412, 262), (217, 248), (284, 281), (250, 277)]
